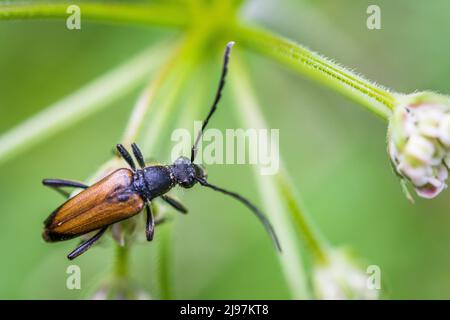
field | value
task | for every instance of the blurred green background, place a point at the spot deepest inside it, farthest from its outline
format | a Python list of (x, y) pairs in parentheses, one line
[(334, 150)]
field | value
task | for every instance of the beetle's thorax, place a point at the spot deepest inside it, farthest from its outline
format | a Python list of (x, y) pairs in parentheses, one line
[(153, 181)]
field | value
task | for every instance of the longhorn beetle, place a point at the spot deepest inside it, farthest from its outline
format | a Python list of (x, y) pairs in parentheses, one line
[(124, 193)]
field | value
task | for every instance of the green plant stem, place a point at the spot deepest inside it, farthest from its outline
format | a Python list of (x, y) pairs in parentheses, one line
[(178, 65), (370, 95), (186, 53), (131, 133), (281, 214), (121, 262), (147, 96), (83, 103), (164, 262), (168, 107), (312, 238), (374, 97), (154, 14)]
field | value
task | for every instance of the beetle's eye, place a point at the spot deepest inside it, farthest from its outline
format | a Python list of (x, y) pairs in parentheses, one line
[(188, 184), (200, 172)]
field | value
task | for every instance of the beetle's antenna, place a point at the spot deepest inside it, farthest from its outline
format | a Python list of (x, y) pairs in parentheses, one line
[(249, 205), (216, 99)]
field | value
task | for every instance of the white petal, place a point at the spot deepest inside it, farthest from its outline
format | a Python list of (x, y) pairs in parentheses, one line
[(444, 130), (420, 148), (442, 173), (432, 189), (428, 122), (419, 176)]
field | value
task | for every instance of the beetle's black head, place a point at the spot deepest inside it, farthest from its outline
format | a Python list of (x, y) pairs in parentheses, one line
[(186, 173)]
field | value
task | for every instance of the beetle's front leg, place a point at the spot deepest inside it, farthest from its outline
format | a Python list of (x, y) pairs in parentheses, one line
[(126, 156), (138, 155)]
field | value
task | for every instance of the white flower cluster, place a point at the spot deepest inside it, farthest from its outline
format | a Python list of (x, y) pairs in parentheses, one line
[(341, 279), (419, 141)]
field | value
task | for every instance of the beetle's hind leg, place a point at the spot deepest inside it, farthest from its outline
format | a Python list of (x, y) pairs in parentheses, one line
[(57, 184), (86, 245), (150, 225), (174, 203)]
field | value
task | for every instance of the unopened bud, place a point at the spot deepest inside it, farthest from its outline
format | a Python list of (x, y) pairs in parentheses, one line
[(340, 278), (419, 141)]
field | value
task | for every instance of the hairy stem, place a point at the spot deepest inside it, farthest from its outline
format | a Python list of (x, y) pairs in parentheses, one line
[(154, 14), (370, 95)]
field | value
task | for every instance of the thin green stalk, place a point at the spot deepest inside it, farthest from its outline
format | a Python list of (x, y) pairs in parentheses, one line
[(83, 103), (254, 118), (151, 13), (181, 60), (375, 98), (274, 197), (165, 262), (147, 96), (178, 66), (188, 58), (190, 111), (160, 120), (134, 128), (165, 243), (312, 238), (121, 263)]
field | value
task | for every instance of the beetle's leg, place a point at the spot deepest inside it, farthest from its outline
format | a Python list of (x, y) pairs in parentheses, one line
[(56, 184), (175, 204), (138, 155), (126, 155), (63, 183), (150, 226), (86, 245)]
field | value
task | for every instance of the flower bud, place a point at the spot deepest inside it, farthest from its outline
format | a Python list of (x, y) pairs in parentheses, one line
[(419, 141), (342, 279)]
